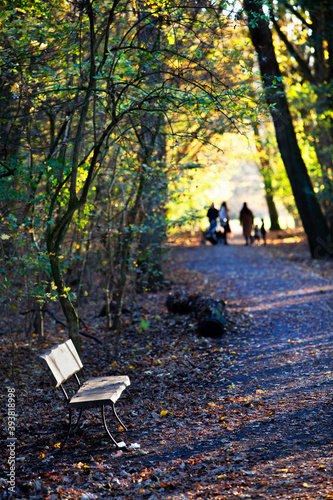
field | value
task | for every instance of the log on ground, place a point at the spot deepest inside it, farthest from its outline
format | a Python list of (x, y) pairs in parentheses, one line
[(209, 313)]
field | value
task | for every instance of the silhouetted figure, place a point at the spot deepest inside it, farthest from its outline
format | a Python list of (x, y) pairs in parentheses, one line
[(246, 220), (224, 220), (263, 231), (212, 215)]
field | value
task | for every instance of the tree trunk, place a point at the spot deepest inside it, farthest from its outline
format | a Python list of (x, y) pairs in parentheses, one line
[(313, 221), (66, 303), (267, 173), (132, 219), (153, 151), (272, 210), (318, 71)]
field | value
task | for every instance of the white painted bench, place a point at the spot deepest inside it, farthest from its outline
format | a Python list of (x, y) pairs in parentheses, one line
[(64, 362)]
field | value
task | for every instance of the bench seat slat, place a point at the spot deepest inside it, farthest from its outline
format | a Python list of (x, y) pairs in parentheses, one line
[(99, 391)]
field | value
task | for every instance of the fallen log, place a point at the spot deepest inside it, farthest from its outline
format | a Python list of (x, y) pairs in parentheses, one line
[(179, 303), (209, 313)]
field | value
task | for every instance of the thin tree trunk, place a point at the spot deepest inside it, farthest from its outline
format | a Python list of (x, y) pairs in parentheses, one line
[(267, 173), (153, 152), (83, 270), (40, 322), (66, 303), (313, 221)]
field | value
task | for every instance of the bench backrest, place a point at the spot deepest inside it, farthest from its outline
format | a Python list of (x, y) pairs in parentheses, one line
[(63, 361)]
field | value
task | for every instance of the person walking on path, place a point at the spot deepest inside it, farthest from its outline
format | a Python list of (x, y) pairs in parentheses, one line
[(263, 231), (246, 220), (212, 215), (224, 220)]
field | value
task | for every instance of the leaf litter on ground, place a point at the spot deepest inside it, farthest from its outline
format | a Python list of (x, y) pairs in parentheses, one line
[(245, 416)]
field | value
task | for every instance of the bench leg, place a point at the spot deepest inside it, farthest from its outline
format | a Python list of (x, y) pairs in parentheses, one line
[(78, 420), (115, 414), (68, 430), (106, 428)]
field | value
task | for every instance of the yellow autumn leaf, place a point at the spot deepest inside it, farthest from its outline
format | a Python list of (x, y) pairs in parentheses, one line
[(14, 88), (41, 455), (114, 364), (57, 445), (163, 413)]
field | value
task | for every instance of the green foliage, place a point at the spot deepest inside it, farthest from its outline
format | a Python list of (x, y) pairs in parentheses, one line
[(94, 96), (303, 39), (144, 325)]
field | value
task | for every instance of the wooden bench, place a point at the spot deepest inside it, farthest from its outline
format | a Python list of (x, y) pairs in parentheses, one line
[(64, 362)]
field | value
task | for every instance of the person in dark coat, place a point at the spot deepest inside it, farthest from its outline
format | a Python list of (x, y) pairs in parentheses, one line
[(263, 231), (246, 220), (212, 215)]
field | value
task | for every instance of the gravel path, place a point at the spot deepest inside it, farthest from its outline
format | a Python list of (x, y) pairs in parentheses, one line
[(278, 377)]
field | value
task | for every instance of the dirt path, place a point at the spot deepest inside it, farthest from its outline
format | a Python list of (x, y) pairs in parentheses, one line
[(278, 378)]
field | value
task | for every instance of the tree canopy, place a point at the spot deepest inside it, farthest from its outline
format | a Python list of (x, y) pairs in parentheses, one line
[(104, 108)]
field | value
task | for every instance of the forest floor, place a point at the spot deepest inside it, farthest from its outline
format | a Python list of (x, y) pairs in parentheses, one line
[(246, 416)]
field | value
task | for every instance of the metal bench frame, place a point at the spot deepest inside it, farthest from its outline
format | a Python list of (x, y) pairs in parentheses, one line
[(64, 362)]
